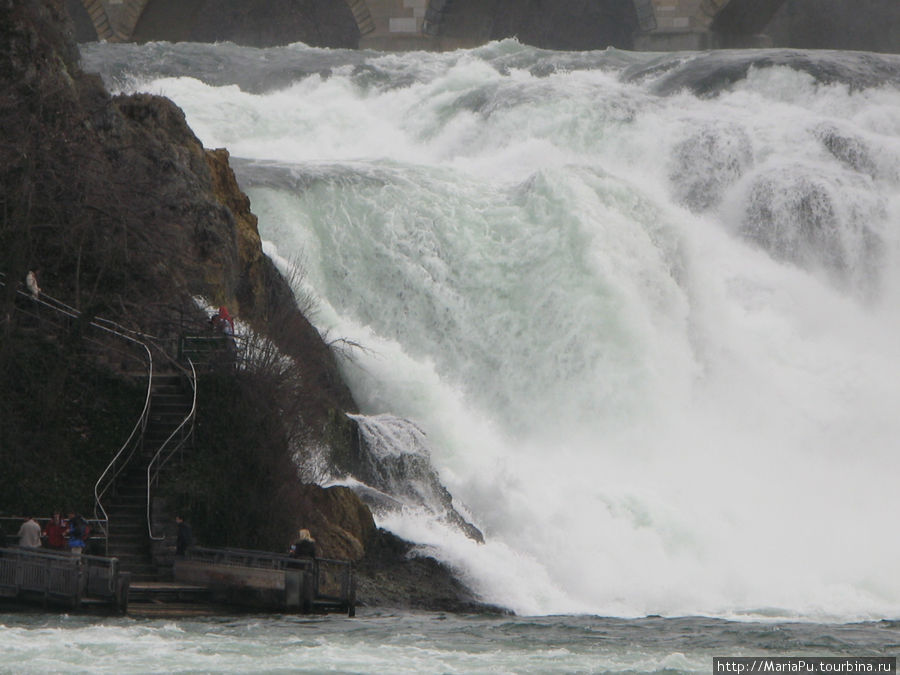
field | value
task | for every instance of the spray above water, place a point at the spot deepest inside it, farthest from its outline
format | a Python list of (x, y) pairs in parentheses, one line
[(644, 327)]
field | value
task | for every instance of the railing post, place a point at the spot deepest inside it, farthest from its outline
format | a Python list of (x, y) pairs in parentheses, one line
[(308, 591), (351, 595)]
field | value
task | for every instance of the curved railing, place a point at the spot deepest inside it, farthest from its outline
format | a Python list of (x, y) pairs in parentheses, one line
[(165, 452), (126, 452)]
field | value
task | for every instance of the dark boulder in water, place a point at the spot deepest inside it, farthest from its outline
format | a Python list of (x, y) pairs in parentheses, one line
[(711, 73), (850, 150), (703, 165), (800, 216)]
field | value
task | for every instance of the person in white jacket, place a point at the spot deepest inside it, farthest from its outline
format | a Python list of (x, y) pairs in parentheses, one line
[(30, 534)]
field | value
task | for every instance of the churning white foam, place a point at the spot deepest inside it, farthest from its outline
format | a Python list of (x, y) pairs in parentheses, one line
[(648, 404)]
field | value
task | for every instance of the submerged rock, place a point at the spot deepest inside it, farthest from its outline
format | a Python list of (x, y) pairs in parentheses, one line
[(794, 213), (712, 158), (850, 150)]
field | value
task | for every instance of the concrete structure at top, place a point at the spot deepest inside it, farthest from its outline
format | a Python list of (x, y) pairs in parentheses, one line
[(397, 25)]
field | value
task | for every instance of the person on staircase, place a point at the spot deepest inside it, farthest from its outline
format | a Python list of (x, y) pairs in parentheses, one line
[(31, 283)]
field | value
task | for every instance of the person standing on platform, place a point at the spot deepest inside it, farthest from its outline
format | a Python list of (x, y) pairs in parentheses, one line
[(305, 546), (30, 534), (55, 531)]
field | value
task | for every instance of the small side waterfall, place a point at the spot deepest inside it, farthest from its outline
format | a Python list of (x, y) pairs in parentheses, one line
[(395, 471)]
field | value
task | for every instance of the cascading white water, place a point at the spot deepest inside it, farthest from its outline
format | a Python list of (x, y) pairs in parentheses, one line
[(652, 339)]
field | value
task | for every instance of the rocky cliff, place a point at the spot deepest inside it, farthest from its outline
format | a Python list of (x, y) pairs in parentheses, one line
[(130, 218)]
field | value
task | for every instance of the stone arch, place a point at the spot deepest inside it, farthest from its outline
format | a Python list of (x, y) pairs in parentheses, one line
[(434, 16), (97, 11), (745, 17), (117, 23), (114, 25), (362, 15)]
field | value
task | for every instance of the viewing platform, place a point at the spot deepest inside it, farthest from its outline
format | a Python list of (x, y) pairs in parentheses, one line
[(207, 581)]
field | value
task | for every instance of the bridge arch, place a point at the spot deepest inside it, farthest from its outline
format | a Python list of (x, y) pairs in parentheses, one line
[(362, 15), (97, 12), (117, 22)]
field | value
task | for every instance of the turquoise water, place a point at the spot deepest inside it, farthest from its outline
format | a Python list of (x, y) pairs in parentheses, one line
[(388, 642)]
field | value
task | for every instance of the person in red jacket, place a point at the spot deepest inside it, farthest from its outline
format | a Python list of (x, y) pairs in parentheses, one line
[(55, 531)]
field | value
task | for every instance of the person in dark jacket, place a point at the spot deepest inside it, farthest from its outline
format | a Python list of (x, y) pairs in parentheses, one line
[(185, 539), (305, 546)]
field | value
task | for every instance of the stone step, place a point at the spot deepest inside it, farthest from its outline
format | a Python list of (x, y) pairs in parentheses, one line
[(136, 502), (135, 539), (127, 556), (124, 530), (168, 592)]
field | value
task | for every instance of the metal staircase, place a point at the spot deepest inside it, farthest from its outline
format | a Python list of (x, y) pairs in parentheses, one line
[(125, 492), (130, 506)]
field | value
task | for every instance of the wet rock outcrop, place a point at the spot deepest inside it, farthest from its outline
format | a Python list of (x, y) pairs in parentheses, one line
[(339, 522)]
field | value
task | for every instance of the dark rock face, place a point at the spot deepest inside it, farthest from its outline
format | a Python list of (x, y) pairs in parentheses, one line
[(393, 575), (338, 521), (795, 214), (394, 461), (133, 212)]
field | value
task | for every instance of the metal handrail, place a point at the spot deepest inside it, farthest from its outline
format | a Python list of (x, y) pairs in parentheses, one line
[(153, 474), (111, 469), (241, 557)]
